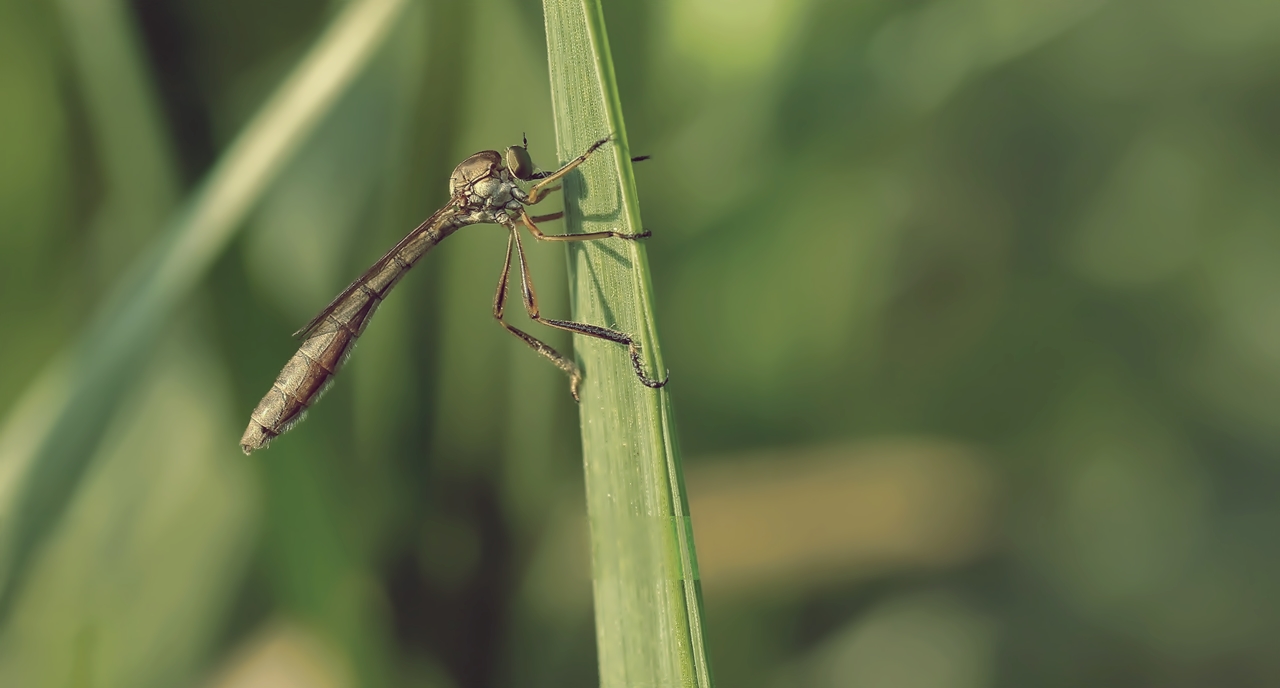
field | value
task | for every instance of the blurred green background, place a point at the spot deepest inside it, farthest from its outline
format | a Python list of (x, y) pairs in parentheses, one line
[(972, 310)]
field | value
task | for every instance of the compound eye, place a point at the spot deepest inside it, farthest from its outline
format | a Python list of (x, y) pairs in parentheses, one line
[(519, 162)]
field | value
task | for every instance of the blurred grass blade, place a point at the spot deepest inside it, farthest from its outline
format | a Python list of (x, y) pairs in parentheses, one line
[(42, 475), (648, 597), (130, 135)]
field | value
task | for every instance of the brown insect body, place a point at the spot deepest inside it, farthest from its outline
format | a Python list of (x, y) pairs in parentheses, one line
[(482, 190)]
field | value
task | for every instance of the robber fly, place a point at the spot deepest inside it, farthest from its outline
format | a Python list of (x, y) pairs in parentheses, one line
[(481, 190)]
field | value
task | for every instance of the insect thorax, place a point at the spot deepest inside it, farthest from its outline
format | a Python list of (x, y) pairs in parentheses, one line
[(473, 169), (486, 189)]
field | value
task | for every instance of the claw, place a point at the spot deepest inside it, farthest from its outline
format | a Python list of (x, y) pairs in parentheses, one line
[(645, 379)]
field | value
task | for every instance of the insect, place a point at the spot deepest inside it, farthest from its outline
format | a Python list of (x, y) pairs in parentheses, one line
[(482, 190)]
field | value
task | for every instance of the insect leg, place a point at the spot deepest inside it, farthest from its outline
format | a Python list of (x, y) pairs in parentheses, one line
[(499, 302), (540, 188), (537, 233), (544, 175), (531, 306), (533, 200)]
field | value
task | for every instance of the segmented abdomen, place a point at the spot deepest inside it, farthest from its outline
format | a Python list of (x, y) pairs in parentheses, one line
[(311, 369)]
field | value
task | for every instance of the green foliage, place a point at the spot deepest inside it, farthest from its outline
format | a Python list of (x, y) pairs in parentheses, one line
[(969, 307), (648, 598)]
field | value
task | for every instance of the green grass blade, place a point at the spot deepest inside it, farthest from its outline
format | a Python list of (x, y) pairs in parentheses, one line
[(77, 394), (648, 599)]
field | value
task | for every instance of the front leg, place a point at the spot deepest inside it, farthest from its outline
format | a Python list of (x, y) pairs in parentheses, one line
[(535, 194)]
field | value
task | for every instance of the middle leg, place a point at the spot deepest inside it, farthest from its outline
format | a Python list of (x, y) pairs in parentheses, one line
[(537, 233)]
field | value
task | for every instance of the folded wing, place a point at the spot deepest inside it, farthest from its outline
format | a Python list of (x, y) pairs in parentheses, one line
[(328, 339)]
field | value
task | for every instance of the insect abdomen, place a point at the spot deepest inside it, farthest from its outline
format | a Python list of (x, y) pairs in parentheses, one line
[(308, 372)]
